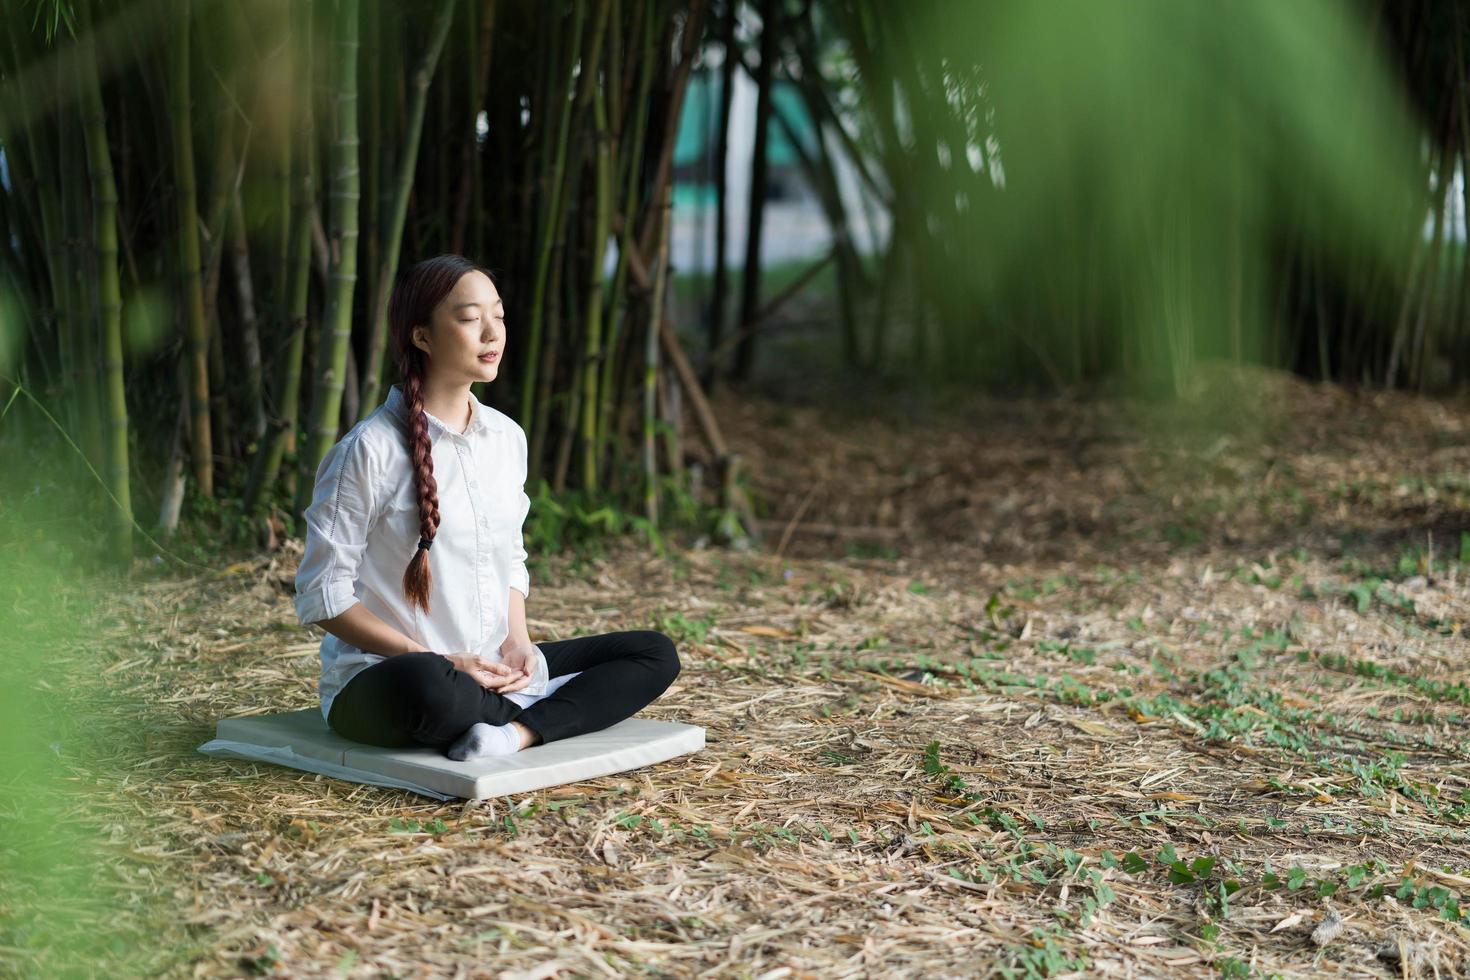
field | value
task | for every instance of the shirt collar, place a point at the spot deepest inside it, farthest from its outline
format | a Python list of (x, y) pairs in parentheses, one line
[(483, 418)]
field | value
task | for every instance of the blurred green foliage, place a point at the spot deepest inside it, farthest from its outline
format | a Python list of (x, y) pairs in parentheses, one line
[(1115, 189)]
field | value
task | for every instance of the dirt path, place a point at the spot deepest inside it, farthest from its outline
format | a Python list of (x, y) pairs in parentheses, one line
[(1033, 688)]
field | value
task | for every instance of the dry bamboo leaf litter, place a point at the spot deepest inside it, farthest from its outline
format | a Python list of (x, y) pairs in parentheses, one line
[(1115, 661)]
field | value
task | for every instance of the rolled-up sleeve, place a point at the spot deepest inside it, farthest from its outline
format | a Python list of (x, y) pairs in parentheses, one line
[(518, 576), (337, 523)]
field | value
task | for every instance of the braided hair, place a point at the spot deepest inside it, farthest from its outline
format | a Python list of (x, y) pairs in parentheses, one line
[(415, 297)]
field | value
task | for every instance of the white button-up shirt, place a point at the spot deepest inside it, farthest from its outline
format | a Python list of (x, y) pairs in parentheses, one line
[(362, 528)]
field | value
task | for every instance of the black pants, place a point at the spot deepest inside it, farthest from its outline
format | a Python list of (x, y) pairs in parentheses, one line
[(422, 699)]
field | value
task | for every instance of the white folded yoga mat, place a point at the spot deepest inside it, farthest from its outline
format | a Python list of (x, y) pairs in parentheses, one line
[(302, 740)]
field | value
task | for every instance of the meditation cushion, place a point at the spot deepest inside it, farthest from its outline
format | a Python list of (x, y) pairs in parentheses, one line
[(302, 740)]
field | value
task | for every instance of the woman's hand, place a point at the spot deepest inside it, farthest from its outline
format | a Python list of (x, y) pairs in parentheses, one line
[(488, 674), (521, 658)]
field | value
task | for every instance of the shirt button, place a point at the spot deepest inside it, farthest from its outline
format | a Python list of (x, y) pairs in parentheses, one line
[(473, 484)]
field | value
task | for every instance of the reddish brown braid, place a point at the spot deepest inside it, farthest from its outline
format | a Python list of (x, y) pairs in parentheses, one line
[(414, 299), (416, 577)]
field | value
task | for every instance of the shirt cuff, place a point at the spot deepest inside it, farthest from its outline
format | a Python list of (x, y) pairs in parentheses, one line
[(325, 602), (520, 580)]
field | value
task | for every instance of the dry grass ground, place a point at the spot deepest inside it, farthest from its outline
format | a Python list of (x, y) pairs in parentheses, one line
[(1033, 688)]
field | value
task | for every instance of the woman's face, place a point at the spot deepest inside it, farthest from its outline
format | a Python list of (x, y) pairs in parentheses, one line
[(467, 325)]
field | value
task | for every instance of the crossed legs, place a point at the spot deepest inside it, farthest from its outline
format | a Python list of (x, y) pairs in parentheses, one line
[(422, 699)]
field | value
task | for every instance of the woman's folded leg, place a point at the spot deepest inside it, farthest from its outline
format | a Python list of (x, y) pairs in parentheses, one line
[(618, 675)]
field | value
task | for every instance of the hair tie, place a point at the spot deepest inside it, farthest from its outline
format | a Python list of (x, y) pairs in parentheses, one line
[(425, 544)]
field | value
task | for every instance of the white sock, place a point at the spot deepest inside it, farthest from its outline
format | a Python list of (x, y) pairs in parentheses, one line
[(484, 739)]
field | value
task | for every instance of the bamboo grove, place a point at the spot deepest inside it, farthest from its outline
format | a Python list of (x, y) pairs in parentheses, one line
[(204, 204), (208, 283)]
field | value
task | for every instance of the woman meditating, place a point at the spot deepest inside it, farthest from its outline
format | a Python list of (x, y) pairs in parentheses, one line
[(415, 563)]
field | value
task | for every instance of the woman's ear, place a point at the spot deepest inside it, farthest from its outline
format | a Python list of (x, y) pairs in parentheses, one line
[(420, 338)]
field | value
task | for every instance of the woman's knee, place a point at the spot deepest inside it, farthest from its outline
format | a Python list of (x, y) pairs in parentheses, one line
[(663, 652)]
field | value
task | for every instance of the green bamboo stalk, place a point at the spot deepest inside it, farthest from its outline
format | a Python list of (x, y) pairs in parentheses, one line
[(593, 320), (650, 363), (566, 271), (109, 293), (393, 232), (650, 221), (343, 192), (373, 136), (555, 303), (750, 284), (216, 221), (671, 407), (267, 463), (530, 411), (239, 245), (531, 197), (469, 141), (469, 196), (191, 290), (476, 163), (437, 188), (281, 194), (82, 360), (618, 306), (715, 326), (565, 291), (692, 33)]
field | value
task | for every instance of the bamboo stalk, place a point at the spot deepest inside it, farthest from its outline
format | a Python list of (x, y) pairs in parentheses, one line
[(444, 132), (750, 284), (81, 391), (715, 324), (172, 494), (592, 323), (555, 302), (191, 290), (109, 295), (343, 192), (530, 410), (656, 324), (671, 406), (567, 254), (618, 305), (214, 224), (693, 33), (280, 436), (374, 136), (393, 232), (249, 328), (281, 193), (468, 197)]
